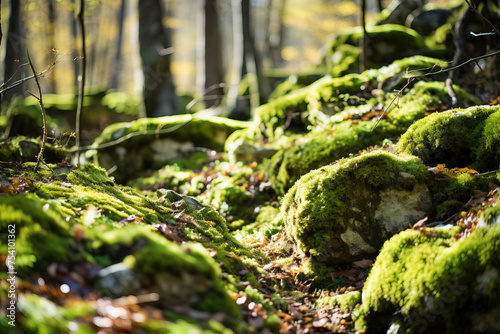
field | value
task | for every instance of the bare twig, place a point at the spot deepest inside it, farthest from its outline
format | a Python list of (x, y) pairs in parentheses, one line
[(482, 16), (81, 90), (410, 80), (449, 69), (44, 116), (23, 80), (129, 136)]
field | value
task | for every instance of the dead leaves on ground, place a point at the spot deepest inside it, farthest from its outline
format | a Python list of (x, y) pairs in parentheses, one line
[(442, 172), (14, 185)]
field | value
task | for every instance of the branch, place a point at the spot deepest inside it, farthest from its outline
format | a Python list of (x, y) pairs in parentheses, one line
[(23, 80), (449, 69), (482, 16), (127, 137), (44, 116), (410, 80)]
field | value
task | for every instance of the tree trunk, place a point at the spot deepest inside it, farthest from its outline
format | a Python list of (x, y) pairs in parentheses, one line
[(14, 53), (155, 49), (117, 68), (275, 31), (251, 59), (363, 42), (51, 81), (214, 73)]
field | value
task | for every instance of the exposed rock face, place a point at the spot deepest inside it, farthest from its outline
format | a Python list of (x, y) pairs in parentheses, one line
[(345, 212)]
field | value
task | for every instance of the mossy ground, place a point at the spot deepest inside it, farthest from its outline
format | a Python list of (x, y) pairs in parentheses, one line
[(204, 237)]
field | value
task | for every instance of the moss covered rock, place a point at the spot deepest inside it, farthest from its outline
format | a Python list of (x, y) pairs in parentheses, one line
[(151, 142), (458, 138), (337, 136), (345, 212), (182, 274), (386, 43), (430, 282)]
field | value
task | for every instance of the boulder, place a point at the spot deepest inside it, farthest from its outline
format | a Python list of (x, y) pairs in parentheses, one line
[(429, 282), (345, 212), (146, 143), (458, 138)]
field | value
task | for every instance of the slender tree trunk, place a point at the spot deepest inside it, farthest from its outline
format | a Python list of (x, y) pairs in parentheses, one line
[(117, 68), (275, 31), (380, 7), (200, 48), (364, 40), (14, 53), (81, 78), (214, 73), (155, 49), (251, 58), (51, 83)]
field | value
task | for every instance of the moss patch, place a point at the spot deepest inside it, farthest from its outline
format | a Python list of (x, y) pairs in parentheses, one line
[(429, 281), (458, 138)]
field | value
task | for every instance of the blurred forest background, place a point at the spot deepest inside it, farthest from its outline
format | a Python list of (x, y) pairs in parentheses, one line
[(163, 56)]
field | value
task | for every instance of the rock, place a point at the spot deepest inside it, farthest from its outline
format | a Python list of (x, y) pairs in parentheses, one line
[(428, 21), (458, 138), (345, 212), (335, 137), (386, 43), (119, 280), (181, 274), (430, 282), (152, 142)]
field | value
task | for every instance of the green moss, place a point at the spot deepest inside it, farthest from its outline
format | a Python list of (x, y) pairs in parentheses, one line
[(210, 132), (420, 275), (458, 138), (42, 234), (344, 301), (40, 315), (22, 148), (121, 103), (337, 136), (162, 259), (460, 188), (319, 207), (386, 43)]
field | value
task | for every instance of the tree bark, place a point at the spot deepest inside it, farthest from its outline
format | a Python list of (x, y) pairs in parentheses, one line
[(214, 73), (155, 49), (251, 59), (275, 31), (117, 68), (364, 40), (14, 53)]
